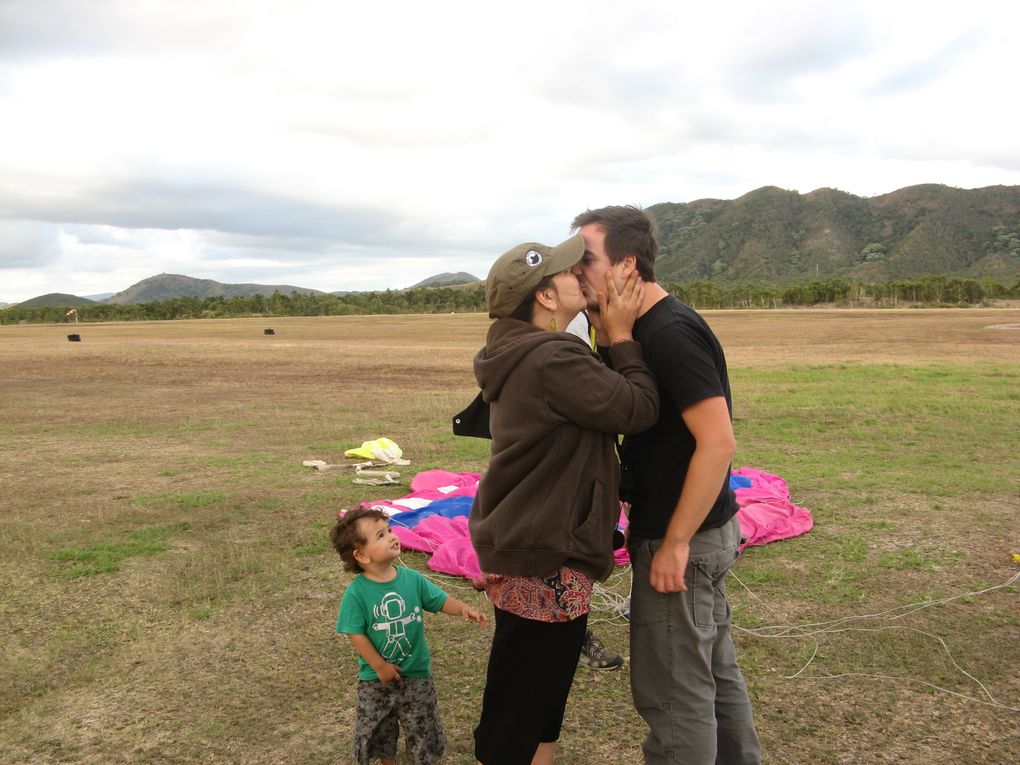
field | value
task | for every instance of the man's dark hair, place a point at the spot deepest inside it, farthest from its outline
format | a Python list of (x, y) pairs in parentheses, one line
[(629, 231), (526, 310), (346, 538)]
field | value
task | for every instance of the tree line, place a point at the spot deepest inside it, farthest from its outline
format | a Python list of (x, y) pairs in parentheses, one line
[(838, 291), (927, 291)]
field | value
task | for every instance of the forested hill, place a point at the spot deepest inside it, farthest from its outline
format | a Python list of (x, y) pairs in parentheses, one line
[(447, 280), (58, 299), (782, 237), (169, 286)]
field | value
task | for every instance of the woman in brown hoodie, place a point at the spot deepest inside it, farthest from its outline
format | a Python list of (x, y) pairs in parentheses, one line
[(543, 519)]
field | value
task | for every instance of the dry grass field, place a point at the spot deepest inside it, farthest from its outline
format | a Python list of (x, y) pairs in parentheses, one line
[(168, 595)]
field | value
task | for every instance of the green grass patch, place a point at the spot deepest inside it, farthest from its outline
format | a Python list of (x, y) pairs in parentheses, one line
[(189, 500), (937, 431), (316, 541), (247, 460), (326, 448), (137, 427), (866, 525), (106, 557), (919, 560), (767, 573), (465, 451), (850, 548), (202, 613)]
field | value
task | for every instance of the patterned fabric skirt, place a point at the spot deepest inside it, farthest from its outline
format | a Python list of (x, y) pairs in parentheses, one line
[(562, 597)]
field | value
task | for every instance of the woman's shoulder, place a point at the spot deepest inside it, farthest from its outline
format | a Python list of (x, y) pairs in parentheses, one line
[(568, 345)]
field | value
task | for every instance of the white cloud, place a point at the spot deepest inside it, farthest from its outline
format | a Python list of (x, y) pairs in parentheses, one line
[(28, 244), (353, 147)]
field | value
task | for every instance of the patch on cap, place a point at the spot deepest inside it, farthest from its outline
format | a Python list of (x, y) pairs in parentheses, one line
[(533, 258)]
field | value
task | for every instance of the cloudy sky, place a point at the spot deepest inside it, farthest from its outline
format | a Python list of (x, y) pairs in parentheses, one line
[(346, 146)]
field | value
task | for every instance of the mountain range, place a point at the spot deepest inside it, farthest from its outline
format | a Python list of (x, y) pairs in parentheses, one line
[(167, 286), (768, 235), (778, 236)]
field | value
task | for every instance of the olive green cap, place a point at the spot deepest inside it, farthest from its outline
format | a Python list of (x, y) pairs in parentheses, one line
[(518, 272)]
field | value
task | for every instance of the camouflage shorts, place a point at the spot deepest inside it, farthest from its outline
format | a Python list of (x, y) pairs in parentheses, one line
[(409, 703)]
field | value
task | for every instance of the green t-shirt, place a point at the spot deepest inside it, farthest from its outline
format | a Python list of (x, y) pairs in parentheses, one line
[(390, 614)]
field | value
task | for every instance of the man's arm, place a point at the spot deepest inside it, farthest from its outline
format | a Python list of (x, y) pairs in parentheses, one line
[(709, 423), (374, 659)]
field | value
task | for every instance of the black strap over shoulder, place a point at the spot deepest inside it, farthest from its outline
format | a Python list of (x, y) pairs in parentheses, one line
[(474, 420)]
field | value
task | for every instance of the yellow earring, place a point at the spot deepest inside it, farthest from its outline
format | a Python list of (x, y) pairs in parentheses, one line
[(552, 324)]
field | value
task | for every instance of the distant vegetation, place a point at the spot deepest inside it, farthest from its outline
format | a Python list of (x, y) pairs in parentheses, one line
[(166, 286), (929, 291), (58, 299), (423, 300), (447, 280), (782, 237)]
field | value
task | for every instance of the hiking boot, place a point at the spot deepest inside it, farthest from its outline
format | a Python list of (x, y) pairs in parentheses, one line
[(595, 656)]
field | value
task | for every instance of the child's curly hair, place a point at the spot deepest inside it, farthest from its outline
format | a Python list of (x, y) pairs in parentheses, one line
[(345, 536)]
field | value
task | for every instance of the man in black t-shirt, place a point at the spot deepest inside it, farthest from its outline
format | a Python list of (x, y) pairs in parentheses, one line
[(683, 531)]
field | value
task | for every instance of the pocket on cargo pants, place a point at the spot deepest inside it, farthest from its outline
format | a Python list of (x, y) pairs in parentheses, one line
[(706, 588)]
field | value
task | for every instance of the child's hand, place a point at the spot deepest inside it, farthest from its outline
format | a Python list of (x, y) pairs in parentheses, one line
[(388, 672), (454, 607)]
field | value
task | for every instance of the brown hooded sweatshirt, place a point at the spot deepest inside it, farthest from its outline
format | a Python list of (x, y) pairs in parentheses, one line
[(550, 494)]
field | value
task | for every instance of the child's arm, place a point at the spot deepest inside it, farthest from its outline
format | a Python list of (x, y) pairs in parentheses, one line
[(455, 607), (383, 668)]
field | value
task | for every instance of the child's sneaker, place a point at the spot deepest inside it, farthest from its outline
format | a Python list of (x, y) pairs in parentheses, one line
[(595, 656)]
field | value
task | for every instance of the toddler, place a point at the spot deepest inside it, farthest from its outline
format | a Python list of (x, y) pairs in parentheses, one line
[(381, 613)]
